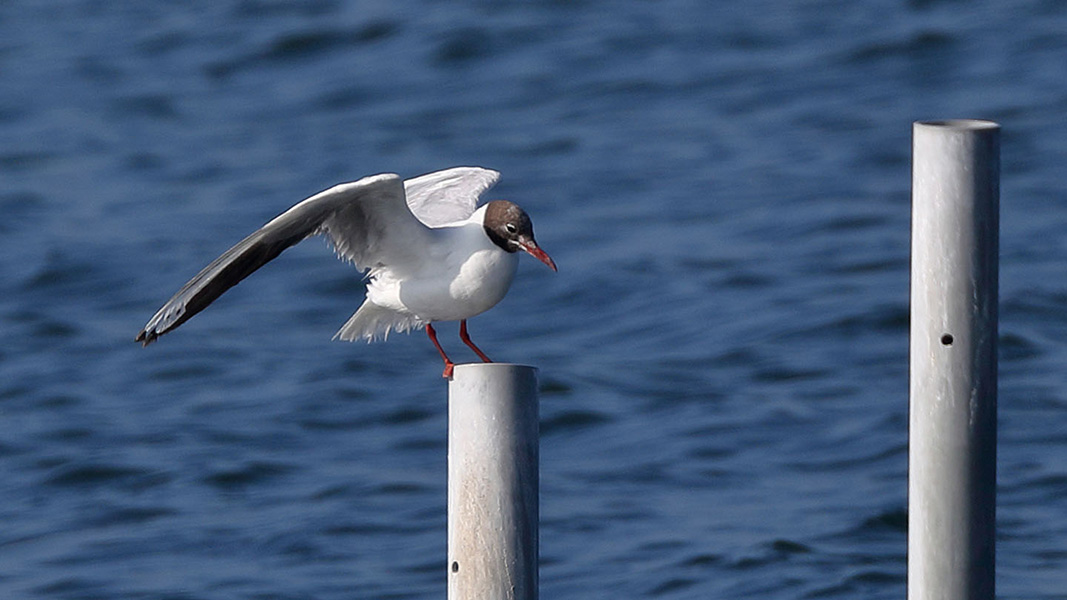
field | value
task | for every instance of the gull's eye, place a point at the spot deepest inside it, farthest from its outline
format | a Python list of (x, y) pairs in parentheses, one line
[(511, 228)]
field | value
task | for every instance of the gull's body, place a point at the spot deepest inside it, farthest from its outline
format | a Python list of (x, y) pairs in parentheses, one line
[(460, 273), (429, 252)]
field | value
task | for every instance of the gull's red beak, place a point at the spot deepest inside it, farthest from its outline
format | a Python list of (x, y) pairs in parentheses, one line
[(530, 247)]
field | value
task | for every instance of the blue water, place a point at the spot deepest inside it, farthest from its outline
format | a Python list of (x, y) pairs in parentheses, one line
[(723, 354)]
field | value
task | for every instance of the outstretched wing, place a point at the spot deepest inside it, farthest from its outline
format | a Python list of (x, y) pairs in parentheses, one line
[(448, 196), (367, 220)]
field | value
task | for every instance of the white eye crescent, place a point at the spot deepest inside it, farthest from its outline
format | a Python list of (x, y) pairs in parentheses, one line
[(511, 228)]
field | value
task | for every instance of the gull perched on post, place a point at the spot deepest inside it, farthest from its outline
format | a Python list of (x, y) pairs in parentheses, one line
[(430, 253)]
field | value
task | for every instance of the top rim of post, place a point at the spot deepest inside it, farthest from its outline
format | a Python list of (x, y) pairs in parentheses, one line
[(960, 124), (491, 366)]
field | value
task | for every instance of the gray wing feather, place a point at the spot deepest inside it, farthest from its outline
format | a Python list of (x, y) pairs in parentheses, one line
[(367, 220), (448, 196)]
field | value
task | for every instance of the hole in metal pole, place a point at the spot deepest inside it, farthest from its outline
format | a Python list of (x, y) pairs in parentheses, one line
[(946, 340), (455, 567)]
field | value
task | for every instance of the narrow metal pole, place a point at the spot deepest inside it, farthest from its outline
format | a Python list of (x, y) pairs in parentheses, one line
[(492, 482), (952, 472)]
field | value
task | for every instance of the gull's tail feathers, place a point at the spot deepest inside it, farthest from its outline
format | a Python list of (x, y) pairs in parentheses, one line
[(372, 322)]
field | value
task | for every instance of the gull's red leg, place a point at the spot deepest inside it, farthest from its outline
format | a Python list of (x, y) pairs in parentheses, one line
[(467, 340), (433, 338)]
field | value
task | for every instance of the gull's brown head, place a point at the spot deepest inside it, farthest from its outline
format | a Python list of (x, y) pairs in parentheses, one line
[(510, 228)]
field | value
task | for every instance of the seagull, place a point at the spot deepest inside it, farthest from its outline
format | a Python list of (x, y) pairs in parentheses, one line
[(428, 251)]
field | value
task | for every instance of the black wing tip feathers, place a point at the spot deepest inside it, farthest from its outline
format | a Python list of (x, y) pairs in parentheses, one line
[(146, 337)]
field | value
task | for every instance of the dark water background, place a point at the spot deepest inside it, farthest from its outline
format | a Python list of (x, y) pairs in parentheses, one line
[(725, 187)]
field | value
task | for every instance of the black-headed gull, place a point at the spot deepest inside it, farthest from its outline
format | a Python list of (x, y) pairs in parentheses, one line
[(429, 252)]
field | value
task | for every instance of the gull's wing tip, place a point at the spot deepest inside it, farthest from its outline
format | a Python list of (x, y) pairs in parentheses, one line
[(146, 338)]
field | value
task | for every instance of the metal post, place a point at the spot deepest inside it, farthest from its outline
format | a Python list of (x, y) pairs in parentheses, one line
[(492, 482), (953, 395)]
